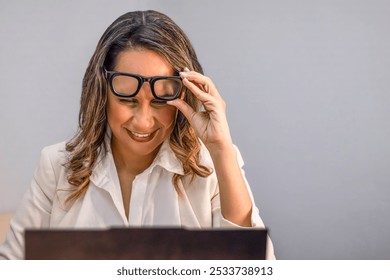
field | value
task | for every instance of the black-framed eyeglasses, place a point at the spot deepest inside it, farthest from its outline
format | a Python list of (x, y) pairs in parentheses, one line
[(128, 85)]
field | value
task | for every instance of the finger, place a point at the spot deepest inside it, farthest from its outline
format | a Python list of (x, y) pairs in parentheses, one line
[(203, 82), (196, 77), (199, 93), (186, 109)]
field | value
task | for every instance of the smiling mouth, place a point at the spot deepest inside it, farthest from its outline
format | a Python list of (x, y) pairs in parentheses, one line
[(141, 137), (140, 134)]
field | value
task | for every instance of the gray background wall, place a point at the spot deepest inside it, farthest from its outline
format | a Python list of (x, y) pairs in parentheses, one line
[(307, 88)]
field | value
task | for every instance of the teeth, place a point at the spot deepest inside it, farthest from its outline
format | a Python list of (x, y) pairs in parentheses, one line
[(141, 135)]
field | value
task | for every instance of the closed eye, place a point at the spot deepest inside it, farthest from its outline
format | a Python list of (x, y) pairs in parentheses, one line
[(159, 102), (128, 100)]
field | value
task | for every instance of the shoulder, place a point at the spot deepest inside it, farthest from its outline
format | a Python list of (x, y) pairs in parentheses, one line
[(53, 157), (204, 156), (50, 171), (206, 160), (58, 147), (55, 152), (211, 181)]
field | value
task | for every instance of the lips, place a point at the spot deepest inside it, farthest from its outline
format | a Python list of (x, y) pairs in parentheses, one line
[(141, 137)]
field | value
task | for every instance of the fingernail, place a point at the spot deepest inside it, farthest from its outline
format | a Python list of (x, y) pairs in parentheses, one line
[(183, 74), (172, 103), (186, 69)]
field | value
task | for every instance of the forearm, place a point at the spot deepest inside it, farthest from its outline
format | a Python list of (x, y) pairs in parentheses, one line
[(236, 204)]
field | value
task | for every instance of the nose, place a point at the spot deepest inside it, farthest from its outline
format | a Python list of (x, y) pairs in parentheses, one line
[(143, 120)]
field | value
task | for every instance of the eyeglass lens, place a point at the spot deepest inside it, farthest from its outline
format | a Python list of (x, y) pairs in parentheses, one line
[(163, 88)]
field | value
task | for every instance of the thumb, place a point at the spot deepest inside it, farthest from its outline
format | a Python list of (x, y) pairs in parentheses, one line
[(186, 109)]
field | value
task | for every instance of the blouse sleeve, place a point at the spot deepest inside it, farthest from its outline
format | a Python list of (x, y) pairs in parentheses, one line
[(34, 211), (256, 221)]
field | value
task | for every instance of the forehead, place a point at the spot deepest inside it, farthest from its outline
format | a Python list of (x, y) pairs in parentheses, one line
[(143, 62)]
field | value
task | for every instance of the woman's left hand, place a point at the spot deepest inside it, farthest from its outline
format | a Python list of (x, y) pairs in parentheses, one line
[(211, 125)]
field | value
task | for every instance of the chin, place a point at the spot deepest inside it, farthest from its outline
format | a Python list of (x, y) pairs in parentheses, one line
[(145, 149)]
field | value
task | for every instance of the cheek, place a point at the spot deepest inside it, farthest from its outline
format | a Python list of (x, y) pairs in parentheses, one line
[(168, 116), (116, 114)]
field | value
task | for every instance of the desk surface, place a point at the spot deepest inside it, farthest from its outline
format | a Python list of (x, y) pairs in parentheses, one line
[(145, 244)]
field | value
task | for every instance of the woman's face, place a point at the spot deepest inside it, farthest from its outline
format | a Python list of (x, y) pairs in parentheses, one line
[(140, 124)]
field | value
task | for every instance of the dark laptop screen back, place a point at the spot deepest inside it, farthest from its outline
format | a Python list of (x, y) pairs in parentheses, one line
[(145, 244)]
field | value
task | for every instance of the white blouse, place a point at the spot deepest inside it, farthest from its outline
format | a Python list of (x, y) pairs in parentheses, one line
[(154, 200)]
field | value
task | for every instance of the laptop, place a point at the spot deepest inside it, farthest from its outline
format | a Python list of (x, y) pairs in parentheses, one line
[(145, 244)]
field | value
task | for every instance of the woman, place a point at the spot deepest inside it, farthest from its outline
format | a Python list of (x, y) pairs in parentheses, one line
[(145, 153)]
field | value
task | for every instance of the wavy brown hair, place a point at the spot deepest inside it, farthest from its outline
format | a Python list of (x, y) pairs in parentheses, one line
[(149, 30)]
